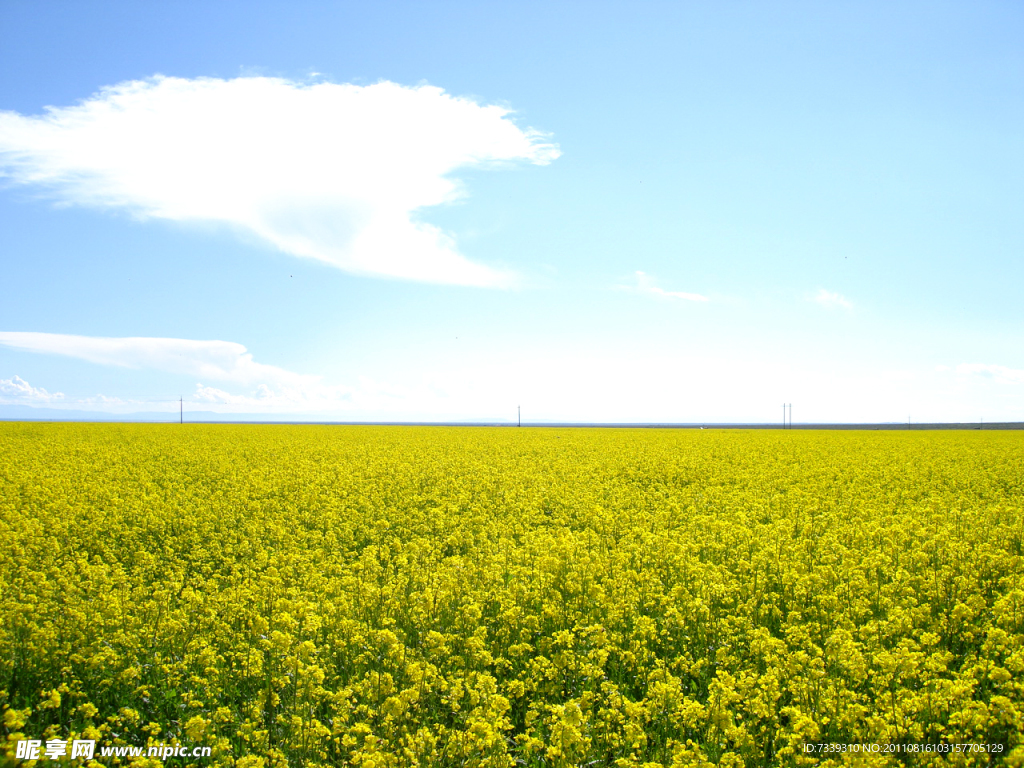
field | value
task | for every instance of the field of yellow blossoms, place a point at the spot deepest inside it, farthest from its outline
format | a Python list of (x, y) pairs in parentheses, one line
[(416, 596)]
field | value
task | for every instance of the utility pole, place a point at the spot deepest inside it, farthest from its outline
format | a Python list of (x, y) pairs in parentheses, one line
[(790, 415), (519, 411)]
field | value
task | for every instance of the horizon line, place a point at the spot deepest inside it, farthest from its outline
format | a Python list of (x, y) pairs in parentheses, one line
[(886, 425)]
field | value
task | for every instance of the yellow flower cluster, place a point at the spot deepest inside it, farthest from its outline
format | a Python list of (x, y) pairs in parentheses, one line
[(412, 596)]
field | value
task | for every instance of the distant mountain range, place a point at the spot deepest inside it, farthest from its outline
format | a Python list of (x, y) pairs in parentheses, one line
[(28, 413)]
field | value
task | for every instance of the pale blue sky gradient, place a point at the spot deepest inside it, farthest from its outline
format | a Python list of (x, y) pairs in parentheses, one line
[(842, 182)]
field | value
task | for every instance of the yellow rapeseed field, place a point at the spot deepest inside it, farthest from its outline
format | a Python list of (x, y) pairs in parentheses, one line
[(398, 596)]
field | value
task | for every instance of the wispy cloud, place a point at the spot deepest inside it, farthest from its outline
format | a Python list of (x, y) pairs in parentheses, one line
[(999, 373), (830, 299), (218, 360), (246, 385), (17, 390), (645, 284), (334, 172)]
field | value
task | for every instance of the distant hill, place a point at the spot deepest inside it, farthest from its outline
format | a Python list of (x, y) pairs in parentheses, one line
[(28, 413)]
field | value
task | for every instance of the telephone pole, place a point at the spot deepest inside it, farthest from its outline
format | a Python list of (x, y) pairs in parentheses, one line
[(519, 416)]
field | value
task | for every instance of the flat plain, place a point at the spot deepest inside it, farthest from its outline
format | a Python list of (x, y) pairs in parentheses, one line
[(391, 596)]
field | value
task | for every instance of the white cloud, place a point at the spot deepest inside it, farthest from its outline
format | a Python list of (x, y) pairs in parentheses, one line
[(645, 284), (830, 299), (18, 390), (334, 172), (999, 373), (266, 387), (220, 360)]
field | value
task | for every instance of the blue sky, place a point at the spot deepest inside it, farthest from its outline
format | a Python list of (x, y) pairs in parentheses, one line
[(642, 212)]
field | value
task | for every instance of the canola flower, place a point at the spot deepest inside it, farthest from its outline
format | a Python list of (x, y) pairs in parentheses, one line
[(403, 596)]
